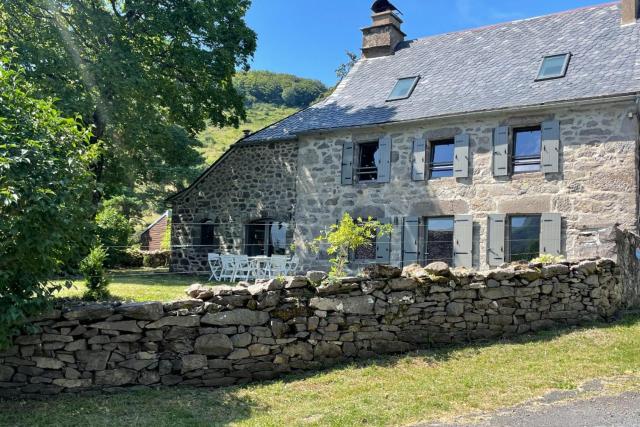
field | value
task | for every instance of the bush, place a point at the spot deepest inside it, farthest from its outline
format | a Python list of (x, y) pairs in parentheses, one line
[(45, 197), (348, 236), (95, 274), (131, 258), (156, 259), (548, 259)]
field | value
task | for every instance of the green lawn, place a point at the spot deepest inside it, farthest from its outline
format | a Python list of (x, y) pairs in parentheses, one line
[(215, 141), (424, 386), (142, 285)]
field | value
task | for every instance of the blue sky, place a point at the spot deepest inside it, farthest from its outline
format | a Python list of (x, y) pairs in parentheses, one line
[(309, 37)]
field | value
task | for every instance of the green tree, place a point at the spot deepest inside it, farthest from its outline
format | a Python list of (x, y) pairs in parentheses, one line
[(45, 198), (343, 69), (347, 236), (301, 94), (146, 76), (278, 89)]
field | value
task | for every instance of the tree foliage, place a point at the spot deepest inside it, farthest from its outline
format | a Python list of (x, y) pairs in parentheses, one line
[(44, 196), (147, 76), (278, 89), (343, 70), (346, 237)]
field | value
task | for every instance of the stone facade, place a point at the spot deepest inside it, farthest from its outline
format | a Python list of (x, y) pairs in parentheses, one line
[(233, 335), (596, 188), (629, 260), (249, 183)]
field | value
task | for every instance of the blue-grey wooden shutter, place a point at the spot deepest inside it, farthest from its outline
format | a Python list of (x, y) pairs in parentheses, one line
[(550, 151), (419, 162), (384, 168), (461, 156), (550, 233), (347, 163), (383, 245), (501, 151), (463, 241), (410, 237), (495, 242)]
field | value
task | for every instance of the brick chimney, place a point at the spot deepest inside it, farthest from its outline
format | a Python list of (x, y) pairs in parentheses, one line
[(384, 34), (629, 10)]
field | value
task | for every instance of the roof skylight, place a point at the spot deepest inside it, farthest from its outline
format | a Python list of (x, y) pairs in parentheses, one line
[(554, 66), (403, 88)]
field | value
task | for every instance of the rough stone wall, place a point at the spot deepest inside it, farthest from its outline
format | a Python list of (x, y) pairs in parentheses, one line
[(629, 261), (233, 335), (595, 189), (250, 183)]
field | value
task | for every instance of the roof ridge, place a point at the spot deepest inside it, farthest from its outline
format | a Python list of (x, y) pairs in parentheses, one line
[(505, 23)]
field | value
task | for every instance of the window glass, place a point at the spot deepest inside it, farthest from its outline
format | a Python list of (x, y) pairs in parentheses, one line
[(524, 237), (366, 252), (403, 88), (368, 161), (553, 66), (526, 149), (439, 240), (441, 164)]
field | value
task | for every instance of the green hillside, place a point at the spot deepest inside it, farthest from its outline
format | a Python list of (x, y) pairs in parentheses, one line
[(270, 97), (216, 141)]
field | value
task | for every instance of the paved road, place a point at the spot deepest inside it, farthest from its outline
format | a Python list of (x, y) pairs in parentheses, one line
[(619, 411)]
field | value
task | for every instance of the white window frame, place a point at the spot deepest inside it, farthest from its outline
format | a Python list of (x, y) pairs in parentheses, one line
[(563, 72)]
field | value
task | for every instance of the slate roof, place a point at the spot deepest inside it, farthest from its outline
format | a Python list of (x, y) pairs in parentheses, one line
[(482, 69)]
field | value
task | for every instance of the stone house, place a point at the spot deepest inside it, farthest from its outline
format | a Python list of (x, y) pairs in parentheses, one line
[(480, 146)]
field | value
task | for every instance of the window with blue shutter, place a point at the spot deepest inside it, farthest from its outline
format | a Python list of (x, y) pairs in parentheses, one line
[(551, 234), (347, 163), (461, 156), (419, 161), (496, 239), (501, 151), (384, 159), (551, 147), (410, 239), (383, 246), (463, 241)]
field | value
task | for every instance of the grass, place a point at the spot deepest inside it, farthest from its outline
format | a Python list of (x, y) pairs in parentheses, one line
[(424, 386), (216, 140), (141, 285)]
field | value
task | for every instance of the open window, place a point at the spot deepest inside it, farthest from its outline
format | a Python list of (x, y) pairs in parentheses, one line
[(266, 237), (441, 159), (403, 89), (368, 161), (527, 144), (207, 233), (554, 66)]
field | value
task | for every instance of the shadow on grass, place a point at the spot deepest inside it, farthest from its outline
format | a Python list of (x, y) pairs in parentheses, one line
[(222, 406)]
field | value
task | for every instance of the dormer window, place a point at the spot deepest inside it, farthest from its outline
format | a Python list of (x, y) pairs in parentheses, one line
[(403, 88), (554, 66)]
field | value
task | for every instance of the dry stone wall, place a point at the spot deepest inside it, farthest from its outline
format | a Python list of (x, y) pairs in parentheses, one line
[(232, 335)]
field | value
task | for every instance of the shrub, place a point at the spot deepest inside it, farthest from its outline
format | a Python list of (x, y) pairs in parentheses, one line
[(45, 196), (156, 259), (347, 236), (548, 259), (95, 275)]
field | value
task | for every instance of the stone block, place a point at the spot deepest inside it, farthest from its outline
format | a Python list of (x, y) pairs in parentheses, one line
[(92, 360), (213, 345), (243, 317), (141, 311), (89, 312), (116, 377), (183, 321)]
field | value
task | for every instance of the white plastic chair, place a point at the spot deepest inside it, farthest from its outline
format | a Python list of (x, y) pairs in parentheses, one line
[(228, 271), (244, 268), (277, 266), (215, 264), (292, 265)]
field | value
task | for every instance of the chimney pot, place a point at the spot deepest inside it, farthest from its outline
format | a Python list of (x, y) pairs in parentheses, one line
[(246, 132), (630, 10)]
